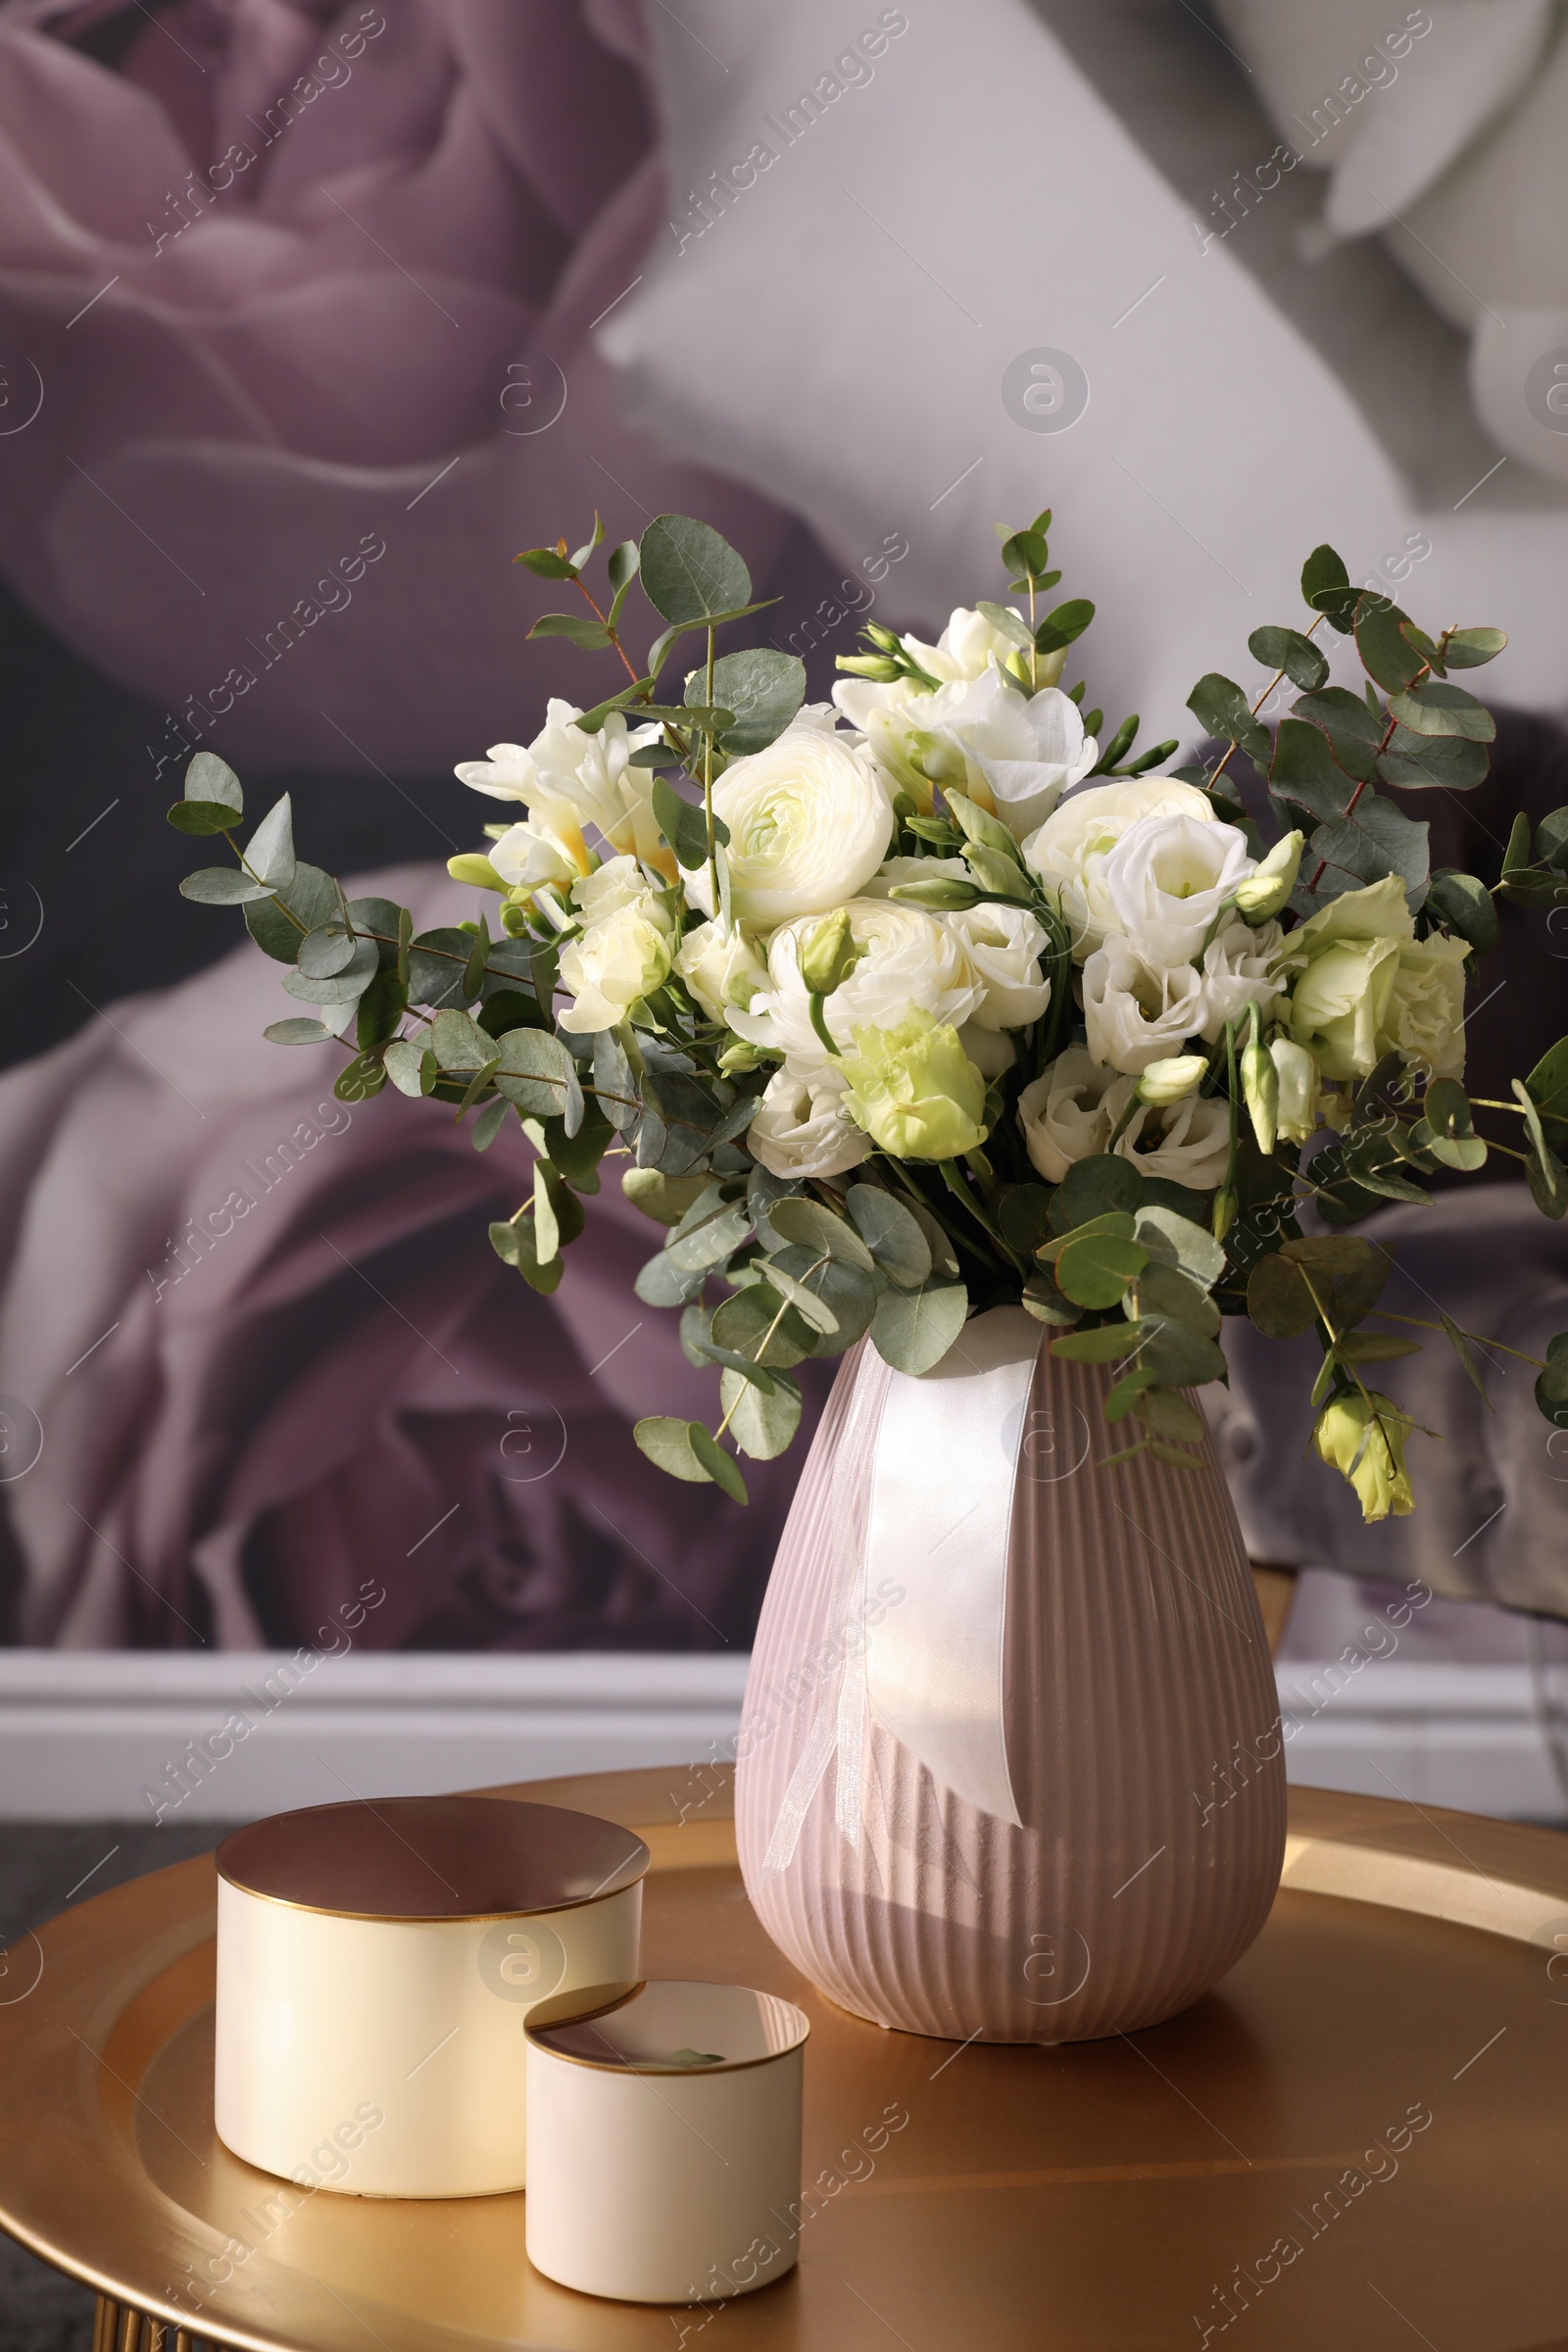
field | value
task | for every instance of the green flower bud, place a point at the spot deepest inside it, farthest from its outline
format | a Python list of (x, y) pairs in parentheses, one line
[(830, 953), (1268, 886), (740, 1056), (945, 895), (1363, 1438), (1170, 1080), (514, 919), (1226, 1206), (477, 871), (875, 667), (976, 826)]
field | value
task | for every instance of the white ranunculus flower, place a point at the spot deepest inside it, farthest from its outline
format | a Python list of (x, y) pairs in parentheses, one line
[(1013, 753), (1137, 1012), (625, 949), (911, 963), (1241, 968), (1069, 850), (571, 780), (802, 1127), (808, 824), (1167, 878), (1003, 945), (1072, 1111), (722, 968)]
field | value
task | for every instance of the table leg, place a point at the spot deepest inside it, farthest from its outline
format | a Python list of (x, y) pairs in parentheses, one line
[(118, 2328)]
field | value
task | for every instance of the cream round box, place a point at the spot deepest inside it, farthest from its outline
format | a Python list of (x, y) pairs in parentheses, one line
[(664, 2140), (375, 1965)]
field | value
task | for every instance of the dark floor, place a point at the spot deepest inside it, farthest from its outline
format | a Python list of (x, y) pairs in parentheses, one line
[(44, 1866)]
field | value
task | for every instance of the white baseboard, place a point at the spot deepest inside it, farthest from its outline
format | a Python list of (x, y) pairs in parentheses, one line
[(87, 1735)]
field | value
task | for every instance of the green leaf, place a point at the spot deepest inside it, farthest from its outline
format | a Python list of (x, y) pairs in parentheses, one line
[(710, 1232), (1373, 1347), (536, 1073), (589, 635), (1123, 1396), (326, 950), (1026, 553), (721, 1467), (580, 555), (1173, 1240), (223, 886), (1547, 1083), (209, 782), (202, 816), (1219, 704), (437, 960), (1041, 1298), (460, 1043), (1174, 1418), (1326, 588), (1005, 621), (1547, 1180), (1375, 838), (269, 851), (311, 898), (689, 572), (1095, 1187), (1552, 839), (1433, 762), (762, 1422), (346, 987), (1467, 649), (379, 1012), (515, 1246), (1064, 625), (913, 1330), (1289, 651), (1355, 731), (683, 826), (890, 1233), (1106, 1343), (1460, 1343), (547, 563), (1386, 654), (1551, 1386), (489, 1123), (405, 1060), (1095, 1271), (1278, 1301), (359, 1079), (1305, 773), (1439, 709), (664, 1198), (1178, 1356), (1165, 1290), (752, 1325), (298, 1032), (667, 1443), (1024, 1215), (815, 1228), (765, 689), (1465, 906)]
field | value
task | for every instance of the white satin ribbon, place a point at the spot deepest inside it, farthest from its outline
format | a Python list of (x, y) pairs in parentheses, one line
[(938, 1526)]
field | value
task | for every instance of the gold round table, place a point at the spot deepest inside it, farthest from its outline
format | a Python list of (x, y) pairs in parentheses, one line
[(1360, 2138)]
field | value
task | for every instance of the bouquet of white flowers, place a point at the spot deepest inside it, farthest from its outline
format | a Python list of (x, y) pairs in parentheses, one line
[(933, 998)]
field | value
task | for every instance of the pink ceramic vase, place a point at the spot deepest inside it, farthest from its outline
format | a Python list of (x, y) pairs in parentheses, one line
[(1142, 1738)]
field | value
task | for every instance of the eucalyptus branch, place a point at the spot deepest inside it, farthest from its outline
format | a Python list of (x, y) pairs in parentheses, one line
[(1256, 707)]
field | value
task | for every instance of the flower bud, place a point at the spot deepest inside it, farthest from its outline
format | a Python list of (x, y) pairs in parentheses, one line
[(1296, 1095), (1267, 887), (514, 919), (476, 869), (875, 667), (740, 1056), (1225, 1208), (1364, 1437), (1170, 1080), (989, 832), (1260, 1085), (1003, 876), (829, 955), (945, 895)]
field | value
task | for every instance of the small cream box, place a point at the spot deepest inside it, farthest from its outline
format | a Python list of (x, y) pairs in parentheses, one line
[(376, 1962), (664, 2140)]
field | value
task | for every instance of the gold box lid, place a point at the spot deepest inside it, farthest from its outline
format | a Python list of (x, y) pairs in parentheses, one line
[(432, 1857)]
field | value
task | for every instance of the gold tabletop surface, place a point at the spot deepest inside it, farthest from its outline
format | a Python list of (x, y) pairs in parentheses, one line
[(1360, 2139)]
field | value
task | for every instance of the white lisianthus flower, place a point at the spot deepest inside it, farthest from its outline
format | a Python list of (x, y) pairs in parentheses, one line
[(625, 950), (808, 824), (1347, 957), (1423, 1017), (1241, 968), (722, 968), (1072, 1111), (1137, 1012), (571, 780), (1167, 878), (911, 963), (1069, 850), (1013, 753), (1004, 946), (803, 1126)]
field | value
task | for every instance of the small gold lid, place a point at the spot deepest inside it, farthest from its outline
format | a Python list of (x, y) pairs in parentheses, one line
[(666, 2027), (432, 1857)]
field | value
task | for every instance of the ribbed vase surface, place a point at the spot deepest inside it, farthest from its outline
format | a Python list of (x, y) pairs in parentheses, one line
[(1141, 1726)]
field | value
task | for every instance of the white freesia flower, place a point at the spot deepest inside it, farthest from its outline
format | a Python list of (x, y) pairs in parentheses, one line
[(808, 824), (1241, 968), (1013, 753), (722, 968), (1168, 877), (1069, 850), (1071, 1112), (802, 1127), (1004, 946), (967, 646), (625, 949), (1137, 1012), (911, 963), (571, 780)]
